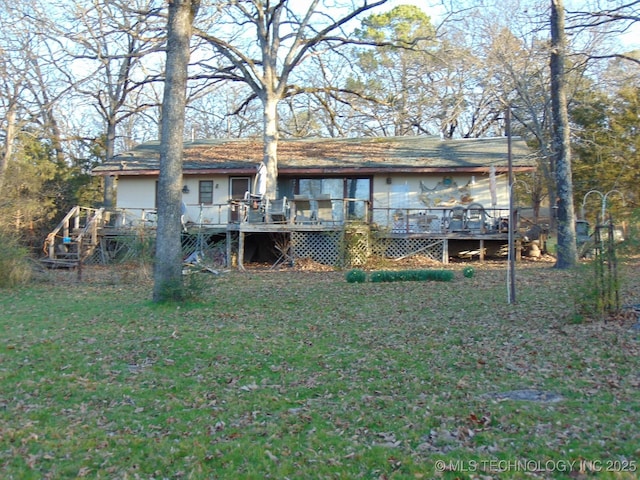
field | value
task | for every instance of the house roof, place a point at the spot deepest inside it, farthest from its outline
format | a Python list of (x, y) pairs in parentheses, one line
[(331, 156)]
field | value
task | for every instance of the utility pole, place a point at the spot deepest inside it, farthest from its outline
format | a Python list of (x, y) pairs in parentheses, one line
[(511, 275)]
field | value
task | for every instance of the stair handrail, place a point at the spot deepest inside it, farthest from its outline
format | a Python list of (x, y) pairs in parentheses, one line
[(74, 213), (50, 242), (92, 223)]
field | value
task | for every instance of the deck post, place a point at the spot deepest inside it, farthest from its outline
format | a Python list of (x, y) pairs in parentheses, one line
[(94, 227), (482, 249), (241, 250), (445, 251)]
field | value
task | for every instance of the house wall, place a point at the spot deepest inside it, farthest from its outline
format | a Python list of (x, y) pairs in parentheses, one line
[(413, 194), (215, 214), (417, 194), (426, 191), (137, 195)]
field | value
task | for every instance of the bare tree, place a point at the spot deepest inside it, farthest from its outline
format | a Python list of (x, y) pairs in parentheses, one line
[(29, 90), (168, 265), (520, 78), (9, 105), (567, 254), (104, 46), (285, 33), (17, 104), (223, 113), (614, 18)]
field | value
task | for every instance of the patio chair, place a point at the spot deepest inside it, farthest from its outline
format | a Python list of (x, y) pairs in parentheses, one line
[(277, 210), (254, 206), (304, 213), (325, 208), (475, 218), (457, 219)]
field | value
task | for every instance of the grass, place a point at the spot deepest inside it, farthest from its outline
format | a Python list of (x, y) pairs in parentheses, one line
[(302, 375)]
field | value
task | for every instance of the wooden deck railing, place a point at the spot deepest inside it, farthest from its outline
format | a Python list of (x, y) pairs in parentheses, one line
[(442, 219), (336, 212), (77, 225)]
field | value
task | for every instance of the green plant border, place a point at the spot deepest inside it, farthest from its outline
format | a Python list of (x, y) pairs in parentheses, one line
[(379, 276)]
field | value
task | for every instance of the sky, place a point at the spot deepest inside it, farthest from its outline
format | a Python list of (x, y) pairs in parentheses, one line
[(435, 9)]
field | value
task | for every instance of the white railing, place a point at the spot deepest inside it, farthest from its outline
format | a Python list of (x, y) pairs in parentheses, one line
[(471, 218), (441, 219)]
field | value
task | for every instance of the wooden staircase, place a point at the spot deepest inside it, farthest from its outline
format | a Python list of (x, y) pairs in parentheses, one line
[(74, 239)]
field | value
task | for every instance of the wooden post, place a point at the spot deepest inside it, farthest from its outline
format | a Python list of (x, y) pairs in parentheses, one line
[(79, 268), (94, 228), (482, 249), (76, 219), (51, 241), (511, 276), (241, 250)]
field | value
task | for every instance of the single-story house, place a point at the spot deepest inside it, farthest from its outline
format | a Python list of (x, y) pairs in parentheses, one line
[(421, 188)]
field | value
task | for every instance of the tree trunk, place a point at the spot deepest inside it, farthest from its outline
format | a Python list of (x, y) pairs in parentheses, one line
[(10, 135), (168, 260), (567, 253), (271, 144), (109, 181)]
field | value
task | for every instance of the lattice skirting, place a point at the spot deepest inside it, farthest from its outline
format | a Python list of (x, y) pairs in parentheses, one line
[(95, 257), (136, 246), (406, 247), (354, 248), (349, 248), (357, 247), (210, 249), (321, 247)]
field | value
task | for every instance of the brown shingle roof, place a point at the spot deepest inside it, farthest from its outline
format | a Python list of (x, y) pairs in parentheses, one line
[(331, 155)]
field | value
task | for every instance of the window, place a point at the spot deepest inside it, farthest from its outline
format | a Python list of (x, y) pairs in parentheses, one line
[(239, 186), (350, 194), (205, 192)]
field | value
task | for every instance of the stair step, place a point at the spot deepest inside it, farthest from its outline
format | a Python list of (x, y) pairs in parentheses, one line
[(59, 263), (67, 255)]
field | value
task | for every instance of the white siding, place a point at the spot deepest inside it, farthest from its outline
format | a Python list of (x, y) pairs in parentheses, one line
[(136, 192), (137, 196), (406, 191), (404, 201)]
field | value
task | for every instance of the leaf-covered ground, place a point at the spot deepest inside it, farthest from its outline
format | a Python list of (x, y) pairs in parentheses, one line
[(299, 374)]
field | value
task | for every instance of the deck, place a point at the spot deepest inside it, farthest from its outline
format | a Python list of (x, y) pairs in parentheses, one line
[(333, 236), (338, 238)]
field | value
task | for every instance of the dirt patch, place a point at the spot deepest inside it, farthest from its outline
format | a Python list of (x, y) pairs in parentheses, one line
[(526, 395)]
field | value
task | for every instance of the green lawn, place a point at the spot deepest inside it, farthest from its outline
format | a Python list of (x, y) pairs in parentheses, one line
[(293, 374)]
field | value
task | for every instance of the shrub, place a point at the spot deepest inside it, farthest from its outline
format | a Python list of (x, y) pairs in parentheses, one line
[(356, 276), (411, 276), (14, 262), (378, 276), (468, 272)]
